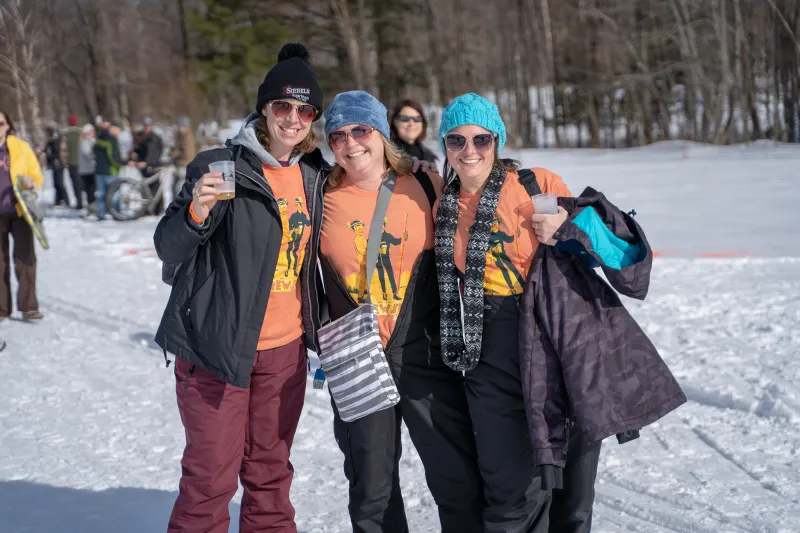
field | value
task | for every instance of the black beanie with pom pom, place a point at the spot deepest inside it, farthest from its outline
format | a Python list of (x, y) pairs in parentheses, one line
[(292, 77)]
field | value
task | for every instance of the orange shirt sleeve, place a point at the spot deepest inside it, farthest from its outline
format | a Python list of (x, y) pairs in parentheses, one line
[(551, 182)]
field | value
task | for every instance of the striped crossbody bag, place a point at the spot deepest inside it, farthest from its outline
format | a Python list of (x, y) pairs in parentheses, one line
[(351, 352)]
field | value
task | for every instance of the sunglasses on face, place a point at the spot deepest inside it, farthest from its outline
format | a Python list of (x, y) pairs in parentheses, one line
[(482, 142), (360, 134), (406, 118), (282, 109)]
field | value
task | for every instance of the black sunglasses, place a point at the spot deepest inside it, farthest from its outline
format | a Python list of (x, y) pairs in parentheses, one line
[(456, 143), (406, 118)]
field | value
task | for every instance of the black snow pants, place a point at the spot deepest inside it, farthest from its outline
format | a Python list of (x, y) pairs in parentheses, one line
[(515, 501), (434, 407)]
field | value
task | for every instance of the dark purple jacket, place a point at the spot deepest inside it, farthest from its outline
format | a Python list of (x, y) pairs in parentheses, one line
[(582, 356)]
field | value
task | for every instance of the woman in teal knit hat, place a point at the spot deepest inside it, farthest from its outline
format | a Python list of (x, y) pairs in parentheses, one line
[(487, 233)]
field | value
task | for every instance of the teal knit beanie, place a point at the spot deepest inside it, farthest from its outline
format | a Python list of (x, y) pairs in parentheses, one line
[(472, 109)]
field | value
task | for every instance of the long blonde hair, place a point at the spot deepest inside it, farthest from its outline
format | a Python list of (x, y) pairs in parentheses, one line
[(395, 160), (306, 146)]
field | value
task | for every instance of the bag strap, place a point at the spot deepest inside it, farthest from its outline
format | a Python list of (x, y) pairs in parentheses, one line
[(528, 180), (427, 186), (376, 228)]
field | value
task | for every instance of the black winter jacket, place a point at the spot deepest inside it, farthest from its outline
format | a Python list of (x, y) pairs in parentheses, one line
[(582, 355), (106, 154), (219, 298)]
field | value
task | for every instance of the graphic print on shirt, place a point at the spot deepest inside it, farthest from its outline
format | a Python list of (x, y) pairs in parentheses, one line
[(512, 239), (384, 271), (290, 258), (406, 234), (502, 277)]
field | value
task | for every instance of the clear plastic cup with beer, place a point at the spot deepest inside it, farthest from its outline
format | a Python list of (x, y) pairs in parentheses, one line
[(227, 189), (545, 203)]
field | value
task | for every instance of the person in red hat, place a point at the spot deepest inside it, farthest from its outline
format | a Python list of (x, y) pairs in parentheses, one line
[(73, 137)]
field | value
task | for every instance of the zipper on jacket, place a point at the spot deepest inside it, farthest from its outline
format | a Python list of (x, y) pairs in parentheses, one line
[(189, 317), (314, 323), (260, 185), (268, 194)]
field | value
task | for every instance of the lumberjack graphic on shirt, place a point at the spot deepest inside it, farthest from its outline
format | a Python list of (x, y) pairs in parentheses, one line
[(286, 235), (297, 225), (383, 265), (497, 242), (497, 258), (290, 258), (360, 243)]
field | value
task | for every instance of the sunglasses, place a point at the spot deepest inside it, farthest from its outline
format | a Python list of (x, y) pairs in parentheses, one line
[(406, 118), (282, 109), (456, 143), (360, 134)]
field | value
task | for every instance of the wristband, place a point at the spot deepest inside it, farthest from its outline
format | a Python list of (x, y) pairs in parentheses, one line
[(197, 220)]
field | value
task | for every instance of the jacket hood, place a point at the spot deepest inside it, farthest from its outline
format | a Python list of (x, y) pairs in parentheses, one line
[(247, 137)]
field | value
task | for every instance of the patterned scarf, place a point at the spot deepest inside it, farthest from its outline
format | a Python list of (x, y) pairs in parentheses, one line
[(461, 351)]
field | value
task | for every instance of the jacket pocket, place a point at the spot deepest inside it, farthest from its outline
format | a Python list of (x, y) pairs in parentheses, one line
[(200, 302)]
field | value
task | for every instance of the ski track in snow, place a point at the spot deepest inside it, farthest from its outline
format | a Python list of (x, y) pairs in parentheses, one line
[(91, 439)]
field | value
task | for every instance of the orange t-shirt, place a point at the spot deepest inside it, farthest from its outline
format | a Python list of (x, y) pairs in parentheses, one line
[(407, 232), (283, 320), (513, 241)]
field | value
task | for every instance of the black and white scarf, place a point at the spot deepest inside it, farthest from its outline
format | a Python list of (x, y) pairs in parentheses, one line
[(462, 350)]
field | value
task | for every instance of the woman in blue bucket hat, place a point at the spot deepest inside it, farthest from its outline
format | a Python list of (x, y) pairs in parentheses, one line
[(403, 291)]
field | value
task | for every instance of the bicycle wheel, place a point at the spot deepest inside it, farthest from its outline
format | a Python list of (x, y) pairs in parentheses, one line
[(127, 199)]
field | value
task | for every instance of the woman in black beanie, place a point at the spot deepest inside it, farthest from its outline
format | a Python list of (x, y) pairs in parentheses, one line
[(244, 306)]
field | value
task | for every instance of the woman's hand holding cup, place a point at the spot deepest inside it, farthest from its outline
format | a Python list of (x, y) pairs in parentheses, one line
[(204, 194)]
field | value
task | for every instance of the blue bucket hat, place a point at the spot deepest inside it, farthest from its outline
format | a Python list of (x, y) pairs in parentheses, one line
[(356, 107), (474, 109)]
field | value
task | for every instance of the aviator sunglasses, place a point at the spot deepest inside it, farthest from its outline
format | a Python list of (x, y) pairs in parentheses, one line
[(282, 109), (456, 143), (360, 134)]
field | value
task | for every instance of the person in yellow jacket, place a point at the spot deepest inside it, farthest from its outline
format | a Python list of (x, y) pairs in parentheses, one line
[(17, 162)]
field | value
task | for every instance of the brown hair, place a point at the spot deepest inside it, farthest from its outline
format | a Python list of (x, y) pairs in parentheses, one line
[(306, 146), (11, 129), (395, 160), (413, 104)]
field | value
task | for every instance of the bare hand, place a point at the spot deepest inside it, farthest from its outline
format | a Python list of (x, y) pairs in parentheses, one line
[(428, 168), (26, 183), (546, 225), (141, 165), (204, 194), (131, 164)]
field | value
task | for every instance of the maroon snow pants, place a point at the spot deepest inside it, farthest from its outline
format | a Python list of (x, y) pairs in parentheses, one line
[(239, 434)]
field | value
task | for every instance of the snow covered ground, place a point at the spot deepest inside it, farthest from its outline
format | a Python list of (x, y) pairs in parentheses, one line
[(90, 438)]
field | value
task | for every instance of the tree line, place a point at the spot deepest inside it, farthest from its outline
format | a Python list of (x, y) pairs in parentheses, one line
[(566, 73)]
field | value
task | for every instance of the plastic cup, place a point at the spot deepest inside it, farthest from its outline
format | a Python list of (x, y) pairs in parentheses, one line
[(227, 189), (545, 203)]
